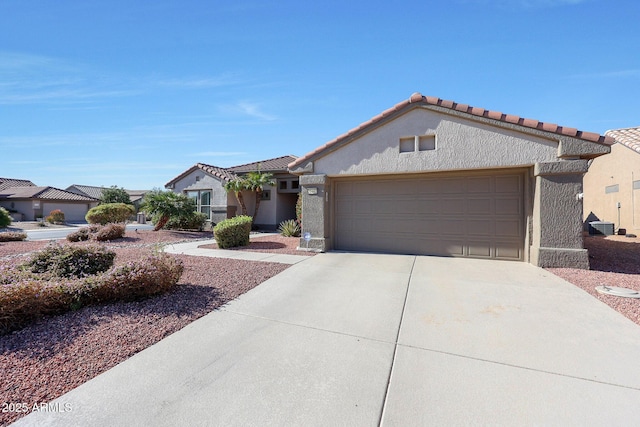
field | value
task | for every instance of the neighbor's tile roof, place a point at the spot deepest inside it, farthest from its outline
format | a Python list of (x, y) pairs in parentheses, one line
[(222, 173), (418, 99), (10, 182), (629, 137), (96, 192), (45, 193), (229, 174), (87, 190), (271, 165)]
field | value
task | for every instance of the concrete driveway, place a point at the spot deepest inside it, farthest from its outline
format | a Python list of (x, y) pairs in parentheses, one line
[(364, 340)]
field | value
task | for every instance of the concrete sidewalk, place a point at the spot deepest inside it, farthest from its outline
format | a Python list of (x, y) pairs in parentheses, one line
[(365, 340), (193, 248)]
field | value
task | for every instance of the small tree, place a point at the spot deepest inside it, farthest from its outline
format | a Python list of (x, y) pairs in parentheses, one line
[(256, 181), (237, 186), (115, 195), (165, 205)]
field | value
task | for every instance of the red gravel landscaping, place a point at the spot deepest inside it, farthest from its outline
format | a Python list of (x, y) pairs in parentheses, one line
[(51, 357)]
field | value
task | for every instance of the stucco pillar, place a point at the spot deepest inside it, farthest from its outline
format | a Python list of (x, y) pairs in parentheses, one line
[(557, 215), (315, 218)]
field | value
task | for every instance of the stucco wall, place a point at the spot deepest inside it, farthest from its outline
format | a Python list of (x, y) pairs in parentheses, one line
[(621, 167), (460, 144), (24, 207)]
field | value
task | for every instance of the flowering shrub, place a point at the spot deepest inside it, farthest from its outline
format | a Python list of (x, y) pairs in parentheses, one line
[(26, 296), (56, 216), (12, 237), (71, 261)]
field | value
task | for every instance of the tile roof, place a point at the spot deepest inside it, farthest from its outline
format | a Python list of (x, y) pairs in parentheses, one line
[(629, 137), (418, 99), (271, 165), (44, 193), (278, 164), (10, 182), (96, 192)]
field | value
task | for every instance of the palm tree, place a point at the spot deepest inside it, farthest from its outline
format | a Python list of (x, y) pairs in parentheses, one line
[(256, 181), (167, 204), (237, 186)]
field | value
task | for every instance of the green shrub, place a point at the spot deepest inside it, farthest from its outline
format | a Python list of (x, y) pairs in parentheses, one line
[(56, 216), (233, 232), (289, 228), (71, 261), (5, 218), (193, 221), (110, 213), (12, 237)]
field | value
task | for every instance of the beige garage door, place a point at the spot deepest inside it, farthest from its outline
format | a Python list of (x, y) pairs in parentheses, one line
[(470, 215)]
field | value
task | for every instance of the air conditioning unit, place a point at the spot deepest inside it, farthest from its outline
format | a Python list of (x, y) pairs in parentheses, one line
[(601, 227)]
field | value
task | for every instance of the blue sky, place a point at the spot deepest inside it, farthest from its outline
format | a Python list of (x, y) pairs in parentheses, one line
[(133, 93)]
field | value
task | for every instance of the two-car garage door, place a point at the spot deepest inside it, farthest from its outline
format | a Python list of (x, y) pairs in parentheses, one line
[(468, 215)]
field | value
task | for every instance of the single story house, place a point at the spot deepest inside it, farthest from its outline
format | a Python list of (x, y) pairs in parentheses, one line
[(28, 202), (434, 177), (612, 184), (205, 183), (135, 196)]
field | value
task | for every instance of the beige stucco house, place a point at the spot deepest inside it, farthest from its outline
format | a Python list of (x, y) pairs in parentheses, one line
[(612, 184), (205, 183), (28, 202), (434, 177)]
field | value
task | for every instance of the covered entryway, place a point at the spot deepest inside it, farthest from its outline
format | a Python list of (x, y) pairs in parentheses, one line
[(471, 214)]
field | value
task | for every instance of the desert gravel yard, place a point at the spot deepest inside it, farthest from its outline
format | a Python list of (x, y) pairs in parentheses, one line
[(47, 359)]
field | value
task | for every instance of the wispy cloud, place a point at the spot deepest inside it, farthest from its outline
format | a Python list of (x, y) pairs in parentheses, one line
[(612, 74), (249, 109), (202, 82)]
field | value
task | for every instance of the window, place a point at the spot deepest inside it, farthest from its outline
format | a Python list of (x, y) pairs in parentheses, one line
[(611, 189), (427, 142), (266, 195), (203, 201), (283, 185), (295, 184), (410, 144), (636, 185)]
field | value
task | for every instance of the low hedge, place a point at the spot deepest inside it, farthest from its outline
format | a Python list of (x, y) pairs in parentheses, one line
[(12, 236), (26, 296), (110, 212), (233, 232), (101, 233)]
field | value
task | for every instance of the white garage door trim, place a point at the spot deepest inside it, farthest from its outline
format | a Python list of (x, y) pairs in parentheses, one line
[(464, 214)]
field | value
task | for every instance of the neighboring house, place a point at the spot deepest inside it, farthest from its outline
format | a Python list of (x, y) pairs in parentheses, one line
[(205, 183), (612, 184), (135, 196), (435, 177), (28, 202)]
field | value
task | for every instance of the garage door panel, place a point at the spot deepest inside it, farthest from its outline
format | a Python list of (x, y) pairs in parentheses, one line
[(508, 184), (508, 206), (479, 185), (478, 206), (479, 249), (469, 215)]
